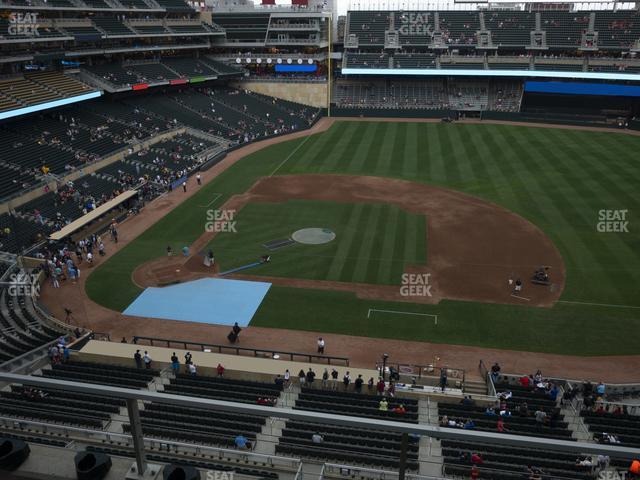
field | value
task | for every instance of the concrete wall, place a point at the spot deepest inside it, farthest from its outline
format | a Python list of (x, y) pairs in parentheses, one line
[(313, 94)]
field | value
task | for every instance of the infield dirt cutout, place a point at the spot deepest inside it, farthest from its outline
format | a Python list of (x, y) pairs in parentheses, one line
[(474, 246)]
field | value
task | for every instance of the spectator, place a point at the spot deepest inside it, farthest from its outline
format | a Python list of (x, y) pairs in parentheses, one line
[(380, 386), (311, 376), (346, 380), (391, 389), (175, 363), (147, 360), (325, 378), (400, 410), (317, 438), (541, 417), (302, 377), (476, 459), (500, 426), (469, 424), (287, 377), (321, 345), (138, 358), (495, 372), (192, 369), (358, 384), (124, 340), (475, 473), (443, 379), (383, 406), (553, 392), (187, 361), (524, 381), (220, 370), (279, 381), (334, 378), (241, 442), (370, 385), (600, 389)]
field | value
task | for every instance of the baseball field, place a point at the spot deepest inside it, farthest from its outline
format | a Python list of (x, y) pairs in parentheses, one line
[(426, 197)]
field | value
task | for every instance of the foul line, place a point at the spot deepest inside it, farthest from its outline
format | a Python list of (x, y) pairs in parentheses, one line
[(290, 155), (598, 304), (214, 199), (403, 313)]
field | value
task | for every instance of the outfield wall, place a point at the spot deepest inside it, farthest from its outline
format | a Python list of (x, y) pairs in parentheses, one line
[(313, 94)]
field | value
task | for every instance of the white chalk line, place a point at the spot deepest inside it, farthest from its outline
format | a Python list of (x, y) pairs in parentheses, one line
[(290, 155), (214, 199)]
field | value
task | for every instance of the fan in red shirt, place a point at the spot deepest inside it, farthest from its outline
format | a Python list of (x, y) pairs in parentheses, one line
[(524, 381)]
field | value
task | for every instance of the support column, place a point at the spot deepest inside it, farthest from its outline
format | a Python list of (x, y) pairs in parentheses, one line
[(136, 435), (404, 446)]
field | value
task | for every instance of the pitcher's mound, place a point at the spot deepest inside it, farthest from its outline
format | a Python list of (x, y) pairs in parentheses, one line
[(313, 236)]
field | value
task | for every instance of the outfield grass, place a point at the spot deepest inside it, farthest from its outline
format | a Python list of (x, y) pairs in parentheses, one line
[(364, 249), (557, 179)]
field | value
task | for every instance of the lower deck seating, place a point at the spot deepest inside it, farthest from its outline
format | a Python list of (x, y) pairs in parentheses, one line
[(195, 425), (500, 462), (361, 405), (58, 406), (104, 374), (367, 447), (623, 426)]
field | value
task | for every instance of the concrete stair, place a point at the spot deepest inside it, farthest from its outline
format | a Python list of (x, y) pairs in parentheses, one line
[(475, 387)]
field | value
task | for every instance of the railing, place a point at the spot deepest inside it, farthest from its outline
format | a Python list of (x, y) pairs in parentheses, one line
[(430, 372), (104, 438), (484, 372), (255, 352)]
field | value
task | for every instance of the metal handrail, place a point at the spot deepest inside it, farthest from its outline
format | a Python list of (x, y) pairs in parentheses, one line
[(125, 440), (255, 351)]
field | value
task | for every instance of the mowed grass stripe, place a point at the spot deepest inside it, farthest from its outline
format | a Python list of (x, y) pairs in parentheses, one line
[(377, 243), (390, 232), (387, 154), (358, 159), (494, 164), (316, 152), (462, 138), (452, 172), (340, 151), (355, 250), (435, 156), (356, 146), (375, 148), (411, 157), (337, 264), (365, 250)]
